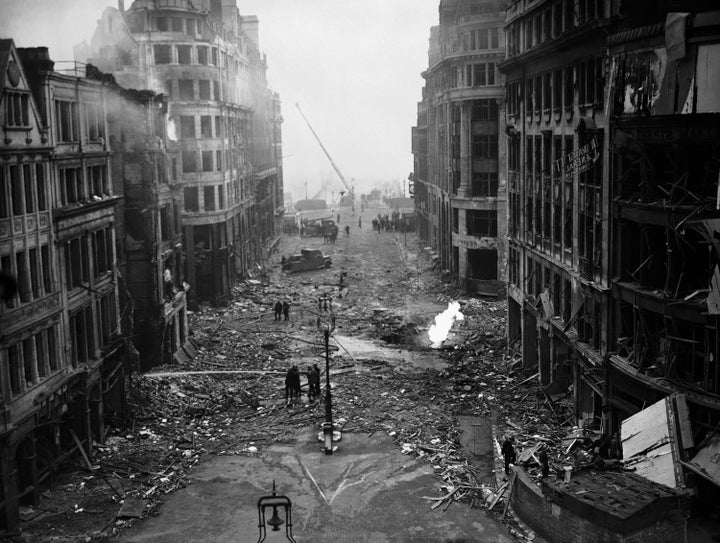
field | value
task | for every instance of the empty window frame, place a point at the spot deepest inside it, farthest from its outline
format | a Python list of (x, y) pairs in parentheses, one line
[(206, 126), (94, 121), (481, 223), (207, 161), (186, 89), (209, 197), (204, 89), (484, 184), (191, 199), (202, 52), (187, 126), (184, 54), (189, 161), (72, 190), (485, 146), (103, 251), (82, 336), (163, 54), (67, 127), (77, 262), (97, 179)]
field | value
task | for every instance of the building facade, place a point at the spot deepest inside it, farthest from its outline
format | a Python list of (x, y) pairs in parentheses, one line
[(205, 57), (459, 171), (61, 348), (557, 141), (664, 72), (149, 234)]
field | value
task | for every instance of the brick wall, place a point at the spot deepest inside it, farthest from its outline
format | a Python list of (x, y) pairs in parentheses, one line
[(560, 526)]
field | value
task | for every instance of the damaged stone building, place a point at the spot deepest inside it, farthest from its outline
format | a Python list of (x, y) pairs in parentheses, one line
[(612, 126), (459, 156), (61, 347), (205, 58), (150, 244)]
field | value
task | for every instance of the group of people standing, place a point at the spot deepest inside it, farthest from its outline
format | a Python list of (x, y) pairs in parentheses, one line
[(282, 309), (292, 384)]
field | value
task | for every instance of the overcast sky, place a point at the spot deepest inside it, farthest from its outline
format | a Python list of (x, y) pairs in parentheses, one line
[(353, 65)]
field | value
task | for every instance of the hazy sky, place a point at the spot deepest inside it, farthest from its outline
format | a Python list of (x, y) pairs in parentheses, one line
[(353, 65)]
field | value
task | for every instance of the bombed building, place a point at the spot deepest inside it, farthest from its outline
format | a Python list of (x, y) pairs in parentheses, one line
[(611, 127), (204, 56), (459, 168), (61, 347)]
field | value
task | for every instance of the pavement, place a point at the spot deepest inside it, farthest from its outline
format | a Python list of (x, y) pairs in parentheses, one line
[(367, 492)]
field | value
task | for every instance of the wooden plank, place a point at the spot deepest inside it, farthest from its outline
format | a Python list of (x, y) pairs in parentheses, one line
[(683, 415), (499, 495), (645, 429), (82, 449)]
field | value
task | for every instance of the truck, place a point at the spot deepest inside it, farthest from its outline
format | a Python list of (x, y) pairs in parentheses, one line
[(308, 259)]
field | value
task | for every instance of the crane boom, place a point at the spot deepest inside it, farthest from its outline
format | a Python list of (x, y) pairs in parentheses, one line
[(350, 189)]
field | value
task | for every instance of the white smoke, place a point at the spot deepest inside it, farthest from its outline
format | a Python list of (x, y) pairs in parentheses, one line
[(439, 331), (171, 129)]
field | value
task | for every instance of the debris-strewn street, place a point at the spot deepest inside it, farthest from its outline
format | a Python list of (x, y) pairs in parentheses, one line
[(228, 402)]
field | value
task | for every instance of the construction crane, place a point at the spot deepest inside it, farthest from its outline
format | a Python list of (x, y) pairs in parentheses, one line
[(350, 188)]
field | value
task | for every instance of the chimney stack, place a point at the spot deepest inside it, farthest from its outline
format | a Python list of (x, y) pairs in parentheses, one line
[(121, 6)]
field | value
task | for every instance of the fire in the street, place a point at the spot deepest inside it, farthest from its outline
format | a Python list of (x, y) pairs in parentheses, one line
[(439, 331)]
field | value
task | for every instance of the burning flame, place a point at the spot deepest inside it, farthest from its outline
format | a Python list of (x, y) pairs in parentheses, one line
[(439, 331)]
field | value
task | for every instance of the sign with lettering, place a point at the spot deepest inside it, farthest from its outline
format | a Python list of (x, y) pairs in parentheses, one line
[(579, 161)]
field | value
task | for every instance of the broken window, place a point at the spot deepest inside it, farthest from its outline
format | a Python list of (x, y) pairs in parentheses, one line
[(207, 161), (204, 89), (14, 361), (183, 52), (202, 52), (484, 184), (187, 126), (206, 126), (186, 90), (97, 177), (191, 199), (5, 194), (77, 262), (481, 222), (484, 146), (82, 336), (71, 186), (108, 323), (67, 127), (23, 278), (94, 121), (162, 54), (161, 24), (482, 264), (103, 251), (189, 161), (209, 196), (216, 90), (35, 279), (46, 269), (41, 188), (214, 56)]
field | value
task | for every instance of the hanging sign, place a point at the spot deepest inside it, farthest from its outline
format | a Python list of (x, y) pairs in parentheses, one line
[(578, 161)]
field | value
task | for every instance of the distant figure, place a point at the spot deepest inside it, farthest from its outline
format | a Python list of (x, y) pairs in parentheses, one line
[(347, 231), (286, 310), (292, 385), (362, 208), (278, 310), (316, 383), (283, 260), (338, 221), (359, 222), (508, 452), (614, 448)]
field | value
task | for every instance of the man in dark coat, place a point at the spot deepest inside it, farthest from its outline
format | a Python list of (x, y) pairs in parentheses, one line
[(292, 385), (286, 310), (278, 310), (544, 462), (508, 452), (316, 382)]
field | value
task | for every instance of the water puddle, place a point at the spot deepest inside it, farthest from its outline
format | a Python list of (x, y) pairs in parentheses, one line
[(365, 349)]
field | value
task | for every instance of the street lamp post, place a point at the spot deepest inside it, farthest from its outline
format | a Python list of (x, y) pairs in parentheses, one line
[(326, 322), (275, 521)]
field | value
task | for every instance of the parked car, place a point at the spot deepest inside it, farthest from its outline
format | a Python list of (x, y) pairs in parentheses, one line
[(308, 259)]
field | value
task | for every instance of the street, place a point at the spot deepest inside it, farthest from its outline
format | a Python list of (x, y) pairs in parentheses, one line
[(212, 434), (368, 490)]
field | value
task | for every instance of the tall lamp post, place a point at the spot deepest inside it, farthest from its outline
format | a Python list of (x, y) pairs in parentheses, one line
[(326, 323)]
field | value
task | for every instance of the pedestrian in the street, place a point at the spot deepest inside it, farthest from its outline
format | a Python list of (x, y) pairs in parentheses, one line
[(278, 310), (286, 310), (508, 452), (338, 221), (544, 463), (283, 260), (292, 385), (347, 231), (359, 222), (310, 389), (316, 382)]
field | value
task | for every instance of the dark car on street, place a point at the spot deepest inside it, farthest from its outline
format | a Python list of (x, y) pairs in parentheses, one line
[(308, 259)]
